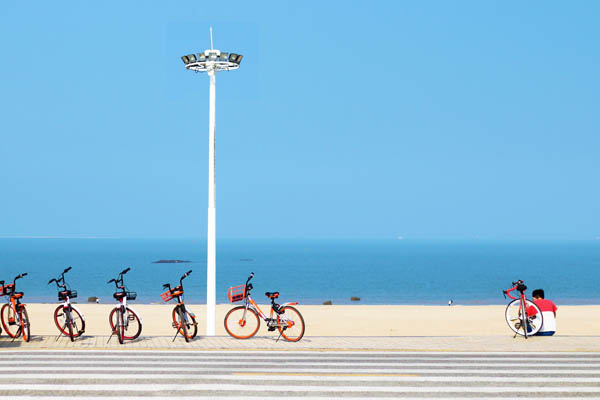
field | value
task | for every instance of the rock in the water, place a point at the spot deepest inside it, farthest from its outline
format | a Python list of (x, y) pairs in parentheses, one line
[(354, 298), (93, 299), (327, 303)]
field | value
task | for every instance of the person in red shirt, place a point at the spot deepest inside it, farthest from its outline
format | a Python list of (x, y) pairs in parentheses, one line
[(548, 309)]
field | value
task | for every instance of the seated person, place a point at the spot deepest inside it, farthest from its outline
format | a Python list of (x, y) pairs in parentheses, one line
[(548, 309)]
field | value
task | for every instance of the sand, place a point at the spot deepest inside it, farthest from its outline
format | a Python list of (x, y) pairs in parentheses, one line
[(347, 320)]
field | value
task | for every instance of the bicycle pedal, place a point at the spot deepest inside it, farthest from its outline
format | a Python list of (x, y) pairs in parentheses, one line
[(131, 318), (272, 328), (12, 322), (174, 325)]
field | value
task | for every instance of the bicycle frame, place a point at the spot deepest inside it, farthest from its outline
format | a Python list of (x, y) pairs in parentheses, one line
[(271, 322)]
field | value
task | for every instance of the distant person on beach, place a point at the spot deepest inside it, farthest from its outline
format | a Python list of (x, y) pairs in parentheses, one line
[(548, 309)]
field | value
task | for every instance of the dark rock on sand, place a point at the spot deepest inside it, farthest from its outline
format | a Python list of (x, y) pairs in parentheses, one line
[(327, 303), (170, 261)]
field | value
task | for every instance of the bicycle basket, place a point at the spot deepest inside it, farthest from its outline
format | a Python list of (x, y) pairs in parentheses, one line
[(8, 290), (236, 293), (63, 295), (131, 295), (166, 296)]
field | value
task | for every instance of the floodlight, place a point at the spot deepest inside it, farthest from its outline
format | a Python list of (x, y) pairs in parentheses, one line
[(185, 60), (235, 58), (201, 57), (223, 56), (192, 57)]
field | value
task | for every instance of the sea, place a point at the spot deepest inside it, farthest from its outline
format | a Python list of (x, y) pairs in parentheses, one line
[(416, 272)]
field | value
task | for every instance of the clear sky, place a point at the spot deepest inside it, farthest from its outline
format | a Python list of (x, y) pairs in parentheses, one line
[(347, 119)]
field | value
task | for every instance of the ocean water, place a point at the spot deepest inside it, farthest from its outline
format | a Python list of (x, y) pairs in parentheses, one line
[(313, 271)]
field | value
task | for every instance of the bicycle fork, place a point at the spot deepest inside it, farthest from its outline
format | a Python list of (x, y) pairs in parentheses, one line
[(68, 319), (15, 320), (182, 320), (121, 320)]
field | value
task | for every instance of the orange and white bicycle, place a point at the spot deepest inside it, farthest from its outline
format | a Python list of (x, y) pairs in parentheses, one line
[(242, 322), (184, 321), (13, 314)]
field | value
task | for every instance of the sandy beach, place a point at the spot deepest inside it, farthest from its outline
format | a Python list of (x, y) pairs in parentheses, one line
[(347, 320)]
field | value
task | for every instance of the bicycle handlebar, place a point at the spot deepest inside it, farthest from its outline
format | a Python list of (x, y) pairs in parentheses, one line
[(119, 281), (518, 285), (19, 277), (183, 277), (60, 279)]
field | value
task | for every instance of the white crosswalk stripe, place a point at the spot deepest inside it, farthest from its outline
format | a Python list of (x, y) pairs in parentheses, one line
[(131, 374)]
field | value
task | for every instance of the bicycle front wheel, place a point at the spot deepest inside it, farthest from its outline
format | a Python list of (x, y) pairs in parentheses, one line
[(9, 321), (290, 324), (185, 323), (116, 323), (533, 318), (25, 325), (77, 322), (242, 323)]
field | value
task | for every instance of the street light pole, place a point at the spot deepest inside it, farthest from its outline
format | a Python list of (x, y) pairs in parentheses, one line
[(211, 61), (211, 250)]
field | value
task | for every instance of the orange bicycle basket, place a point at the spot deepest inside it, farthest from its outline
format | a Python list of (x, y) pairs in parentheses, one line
[(236, 293), (166, 296)]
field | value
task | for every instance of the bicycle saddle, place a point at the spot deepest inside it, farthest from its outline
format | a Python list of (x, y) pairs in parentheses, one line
[(18, 295), (272, 295), (119, 295)]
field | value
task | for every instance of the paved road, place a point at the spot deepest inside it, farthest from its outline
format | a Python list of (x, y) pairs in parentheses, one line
[(100, 374)]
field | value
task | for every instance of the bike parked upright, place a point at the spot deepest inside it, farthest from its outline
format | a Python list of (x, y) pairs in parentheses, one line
[(13, 314), (522, 315), (184, 321), (124, 321), (242, 322), (68, 319)]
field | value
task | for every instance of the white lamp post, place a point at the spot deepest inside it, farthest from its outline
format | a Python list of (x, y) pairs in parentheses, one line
[(211, 61)]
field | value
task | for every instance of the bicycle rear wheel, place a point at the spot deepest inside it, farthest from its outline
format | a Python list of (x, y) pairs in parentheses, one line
[(290, 324), (242, 323), (533, 320), (9, 321), (25, 325), (133, 325)]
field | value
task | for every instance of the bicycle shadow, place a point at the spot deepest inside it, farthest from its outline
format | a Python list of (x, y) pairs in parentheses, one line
[(7, 342)]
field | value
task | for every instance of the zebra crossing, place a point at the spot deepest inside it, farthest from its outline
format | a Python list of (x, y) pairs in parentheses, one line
[(132, 374)]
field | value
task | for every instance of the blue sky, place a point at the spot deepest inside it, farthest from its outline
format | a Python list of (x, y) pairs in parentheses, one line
[(346, 120)]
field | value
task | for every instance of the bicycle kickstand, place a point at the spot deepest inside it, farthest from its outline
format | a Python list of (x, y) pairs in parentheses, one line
[(60, 334), (110, 337), (176, 333)]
